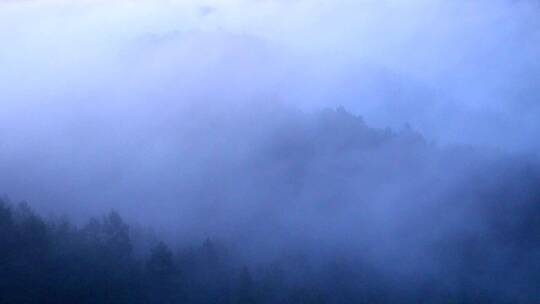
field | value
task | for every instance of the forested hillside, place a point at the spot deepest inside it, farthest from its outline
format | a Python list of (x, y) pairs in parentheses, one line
[(308, 208)]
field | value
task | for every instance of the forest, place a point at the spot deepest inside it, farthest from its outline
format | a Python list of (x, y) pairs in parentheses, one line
[(466, 231)]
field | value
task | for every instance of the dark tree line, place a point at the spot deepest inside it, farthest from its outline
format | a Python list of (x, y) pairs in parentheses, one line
[(56, 262)]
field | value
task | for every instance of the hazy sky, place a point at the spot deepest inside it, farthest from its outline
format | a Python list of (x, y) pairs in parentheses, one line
[(391, 61), (79, 74), (460, 71)]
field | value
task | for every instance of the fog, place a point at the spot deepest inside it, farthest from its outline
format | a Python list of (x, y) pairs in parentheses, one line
[(378, 131), (459, 71)]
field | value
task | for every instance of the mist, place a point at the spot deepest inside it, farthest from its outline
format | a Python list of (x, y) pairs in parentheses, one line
[(398, 137)]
